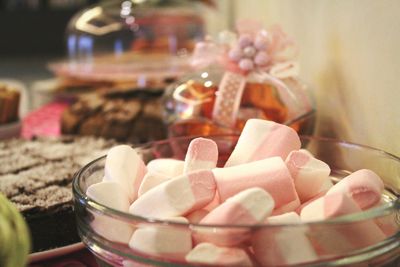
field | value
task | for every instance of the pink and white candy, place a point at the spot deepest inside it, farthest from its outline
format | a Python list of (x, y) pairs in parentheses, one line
[(202, 154), (176, 197), (261, 139), (207, 253), (310, 175), (363, 186), (124, 166), (270, 174)]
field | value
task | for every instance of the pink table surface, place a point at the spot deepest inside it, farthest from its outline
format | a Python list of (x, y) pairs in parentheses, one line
[(45, 121)]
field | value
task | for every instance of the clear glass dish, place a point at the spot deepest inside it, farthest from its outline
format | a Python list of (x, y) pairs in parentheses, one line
[(132, 40), (342, 157)]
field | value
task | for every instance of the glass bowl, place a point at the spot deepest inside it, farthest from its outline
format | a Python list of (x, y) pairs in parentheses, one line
[(342, 157)]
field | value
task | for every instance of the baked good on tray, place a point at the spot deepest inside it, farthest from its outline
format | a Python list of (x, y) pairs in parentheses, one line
[(36, 176), (123, 114), (9, 104)]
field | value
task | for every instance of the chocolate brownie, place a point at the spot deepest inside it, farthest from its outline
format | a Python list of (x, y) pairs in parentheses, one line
[(122, 114), (36, 176)]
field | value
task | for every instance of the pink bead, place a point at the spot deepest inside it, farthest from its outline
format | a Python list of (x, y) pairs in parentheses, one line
[(246, 64), (245, 40), (261, 59), (235, 54), (249, 51), (261, 42)]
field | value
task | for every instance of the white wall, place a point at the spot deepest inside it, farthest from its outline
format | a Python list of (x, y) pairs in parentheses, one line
[(350, 53)]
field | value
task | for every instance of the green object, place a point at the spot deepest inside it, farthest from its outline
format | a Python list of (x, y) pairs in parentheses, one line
[(14, 236)]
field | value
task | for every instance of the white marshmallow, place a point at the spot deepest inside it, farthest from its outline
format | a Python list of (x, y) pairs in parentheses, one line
[(310, 175), (171, 242), (112, 195), (124, 165), (167, 167), (202, 153), (250, 206), (285, 218), (176, 197), (261, 139), (150, 180), (206, 253), (285, 245)]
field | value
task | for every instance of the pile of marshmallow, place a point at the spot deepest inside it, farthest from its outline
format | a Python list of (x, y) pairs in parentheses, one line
[(268, 179)]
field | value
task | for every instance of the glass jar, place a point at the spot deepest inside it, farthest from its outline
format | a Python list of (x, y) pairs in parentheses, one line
[(146, 41), (189, 104)]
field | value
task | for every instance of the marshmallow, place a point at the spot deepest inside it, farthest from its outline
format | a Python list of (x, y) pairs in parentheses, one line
[(176, 197), (167, 167), (202, 153), (310, 175), (283, 245), (285, 218), (150, 180), (172, 241), (364, 186), (248, 207), (197, 215), (124, 165), (271, 174), (343, 237), (261, 139), (206, 253), (112, 195)]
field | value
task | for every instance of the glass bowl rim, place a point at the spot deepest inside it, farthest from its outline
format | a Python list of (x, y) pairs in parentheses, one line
[(372, 213)]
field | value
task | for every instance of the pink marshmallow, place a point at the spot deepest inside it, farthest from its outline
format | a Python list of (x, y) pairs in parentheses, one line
[(172, 242), (214, 203), (197, 215), (202, 153), (251, 206), (124, 166), (206, 253), (310, 175), (167, 167), (284, 245), (176, 197), (340, 237), (271, 174), (261, 139), (364, 186), (112, 195)]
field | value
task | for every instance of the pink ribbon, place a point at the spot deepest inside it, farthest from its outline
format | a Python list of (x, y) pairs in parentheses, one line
[(258, 53)]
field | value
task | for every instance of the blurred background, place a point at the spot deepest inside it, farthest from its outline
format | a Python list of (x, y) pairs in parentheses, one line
[(349, 53)]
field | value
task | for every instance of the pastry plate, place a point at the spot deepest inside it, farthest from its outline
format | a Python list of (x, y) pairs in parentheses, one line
[(56, 252)]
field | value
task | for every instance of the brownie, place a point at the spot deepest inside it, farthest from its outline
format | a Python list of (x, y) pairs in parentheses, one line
[(36, 176), (123, 114)]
